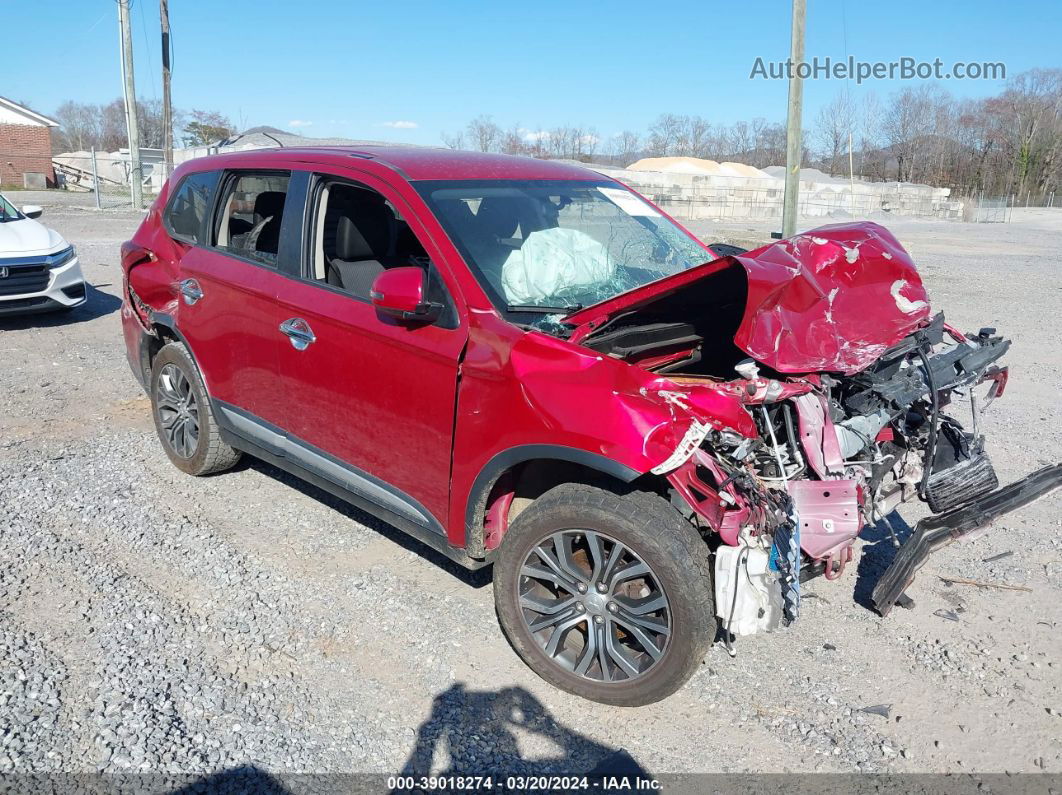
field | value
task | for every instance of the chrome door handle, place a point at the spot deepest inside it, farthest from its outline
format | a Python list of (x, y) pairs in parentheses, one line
[(299, 332), (191, 292)]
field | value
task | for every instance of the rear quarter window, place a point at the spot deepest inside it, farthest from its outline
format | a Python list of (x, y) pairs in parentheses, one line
[(189, 206), (250, 216)]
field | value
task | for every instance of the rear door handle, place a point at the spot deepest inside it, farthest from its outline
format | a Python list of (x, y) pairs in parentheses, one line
[(299, 332), (191, 292)]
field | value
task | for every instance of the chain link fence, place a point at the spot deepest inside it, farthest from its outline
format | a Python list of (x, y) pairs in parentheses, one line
[(999, 209), (990, 210), (107, 175)]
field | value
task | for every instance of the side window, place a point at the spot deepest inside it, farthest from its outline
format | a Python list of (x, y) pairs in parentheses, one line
[(185, 213), (252, 208), (358, 234)]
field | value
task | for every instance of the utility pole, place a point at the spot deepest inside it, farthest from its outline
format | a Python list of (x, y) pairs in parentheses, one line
[(851, 169), (96, 180), (167, 109), (793, 137), (136, 171)]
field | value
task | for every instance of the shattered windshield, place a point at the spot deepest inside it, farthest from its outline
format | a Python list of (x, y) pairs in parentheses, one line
[(555, 246)]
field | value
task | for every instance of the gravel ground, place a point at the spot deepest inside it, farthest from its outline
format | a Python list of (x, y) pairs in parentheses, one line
[(154, 622)]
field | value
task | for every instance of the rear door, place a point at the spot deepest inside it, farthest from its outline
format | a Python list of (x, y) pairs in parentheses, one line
[(371, 400), (227, 308)]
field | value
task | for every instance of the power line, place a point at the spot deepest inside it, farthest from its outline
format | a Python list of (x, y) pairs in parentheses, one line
[(151, 65)]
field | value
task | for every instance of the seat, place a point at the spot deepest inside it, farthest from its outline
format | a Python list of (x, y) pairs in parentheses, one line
[(363, 237), (487, 234), (268, 207)]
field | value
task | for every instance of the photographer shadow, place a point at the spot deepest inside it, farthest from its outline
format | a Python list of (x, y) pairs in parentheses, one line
[(479, 731)]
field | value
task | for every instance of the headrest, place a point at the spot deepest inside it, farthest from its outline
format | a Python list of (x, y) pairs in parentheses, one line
[(457, 212), (350, 243), (269, 203), (499, 215)]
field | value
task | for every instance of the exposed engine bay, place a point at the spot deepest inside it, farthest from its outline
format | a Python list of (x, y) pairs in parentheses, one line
[(861, 401), (834, 453)]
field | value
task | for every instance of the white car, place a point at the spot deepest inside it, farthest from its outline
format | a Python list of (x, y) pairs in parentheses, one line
[(39, 270)]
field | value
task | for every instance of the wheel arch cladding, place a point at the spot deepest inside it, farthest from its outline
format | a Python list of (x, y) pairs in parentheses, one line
[(165, 329), (507, 462)]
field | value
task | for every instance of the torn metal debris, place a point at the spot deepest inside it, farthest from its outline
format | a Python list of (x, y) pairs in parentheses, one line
[(846, 384)]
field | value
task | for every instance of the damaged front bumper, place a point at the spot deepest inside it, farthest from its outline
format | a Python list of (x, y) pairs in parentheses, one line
[(934, 532)]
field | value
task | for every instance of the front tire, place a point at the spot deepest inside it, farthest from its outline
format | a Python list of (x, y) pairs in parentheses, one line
[(606, 595), (183, 418)]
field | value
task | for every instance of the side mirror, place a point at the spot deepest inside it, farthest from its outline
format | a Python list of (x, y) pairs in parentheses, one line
[(32, 211), (400, 293)]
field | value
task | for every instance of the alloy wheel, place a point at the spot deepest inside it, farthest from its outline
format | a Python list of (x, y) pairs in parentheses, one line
[(178, 410), (593, 606)]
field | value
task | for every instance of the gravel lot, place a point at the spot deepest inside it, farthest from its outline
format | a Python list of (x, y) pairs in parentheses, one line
[(155, 622)]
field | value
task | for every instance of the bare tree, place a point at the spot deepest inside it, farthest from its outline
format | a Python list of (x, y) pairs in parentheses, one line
[(976, 140), (570, 142), (833, 129), (83, 126), (150, 122), (483, 134), (738, 139), (513, 142), (1029, 115), (113, 132), (79, 126), (695, 137), (664, 134), (872, 159), (454, 141), (626, 147), (907, 122), (586, 141), (768, 144), (1008, 143)]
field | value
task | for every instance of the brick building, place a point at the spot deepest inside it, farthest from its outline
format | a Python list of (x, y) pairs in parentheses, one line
[(25, 145)]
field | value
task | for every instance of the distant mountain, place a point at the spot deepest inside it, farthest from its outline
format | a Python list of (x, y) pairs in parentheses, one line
[(268, 131)]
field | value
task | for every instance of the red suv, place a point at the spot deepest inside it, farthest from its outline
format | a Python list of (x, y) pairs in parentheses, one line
[(526, 364)]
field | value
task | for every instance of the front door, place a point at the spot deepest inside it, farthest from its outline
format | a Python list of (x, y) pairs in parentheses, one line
[(371, 399), (227, 308)]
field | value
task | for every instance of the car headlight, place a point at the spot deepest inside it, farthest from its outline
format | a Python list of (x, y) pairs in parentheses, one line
[(60, 258)]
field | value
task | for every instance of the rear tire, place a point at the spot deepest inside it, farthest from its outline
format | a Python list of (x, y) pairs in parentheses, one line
[(577, 526), (184, 421)]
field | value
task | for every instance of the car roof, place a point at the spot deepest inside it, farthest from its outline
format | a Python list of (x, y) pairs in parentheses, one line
[(415, 162)]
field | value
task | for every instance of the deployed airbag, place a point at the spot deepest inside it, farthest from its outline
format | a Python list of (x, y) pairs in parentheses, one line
[(552, 262)]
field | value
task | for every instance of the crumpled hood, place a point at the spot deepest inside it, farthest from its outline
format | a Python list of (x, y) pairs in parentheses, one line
[(829, 300), (27, 237), (833, 299)]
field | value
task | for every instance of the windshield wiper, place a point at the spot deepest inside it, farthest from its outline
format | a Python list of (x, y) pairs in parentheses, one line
[(546, 309)]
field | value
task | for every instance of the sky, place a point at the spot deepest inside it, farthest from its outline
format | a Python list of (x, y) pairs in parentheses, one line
[(412, 71)]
